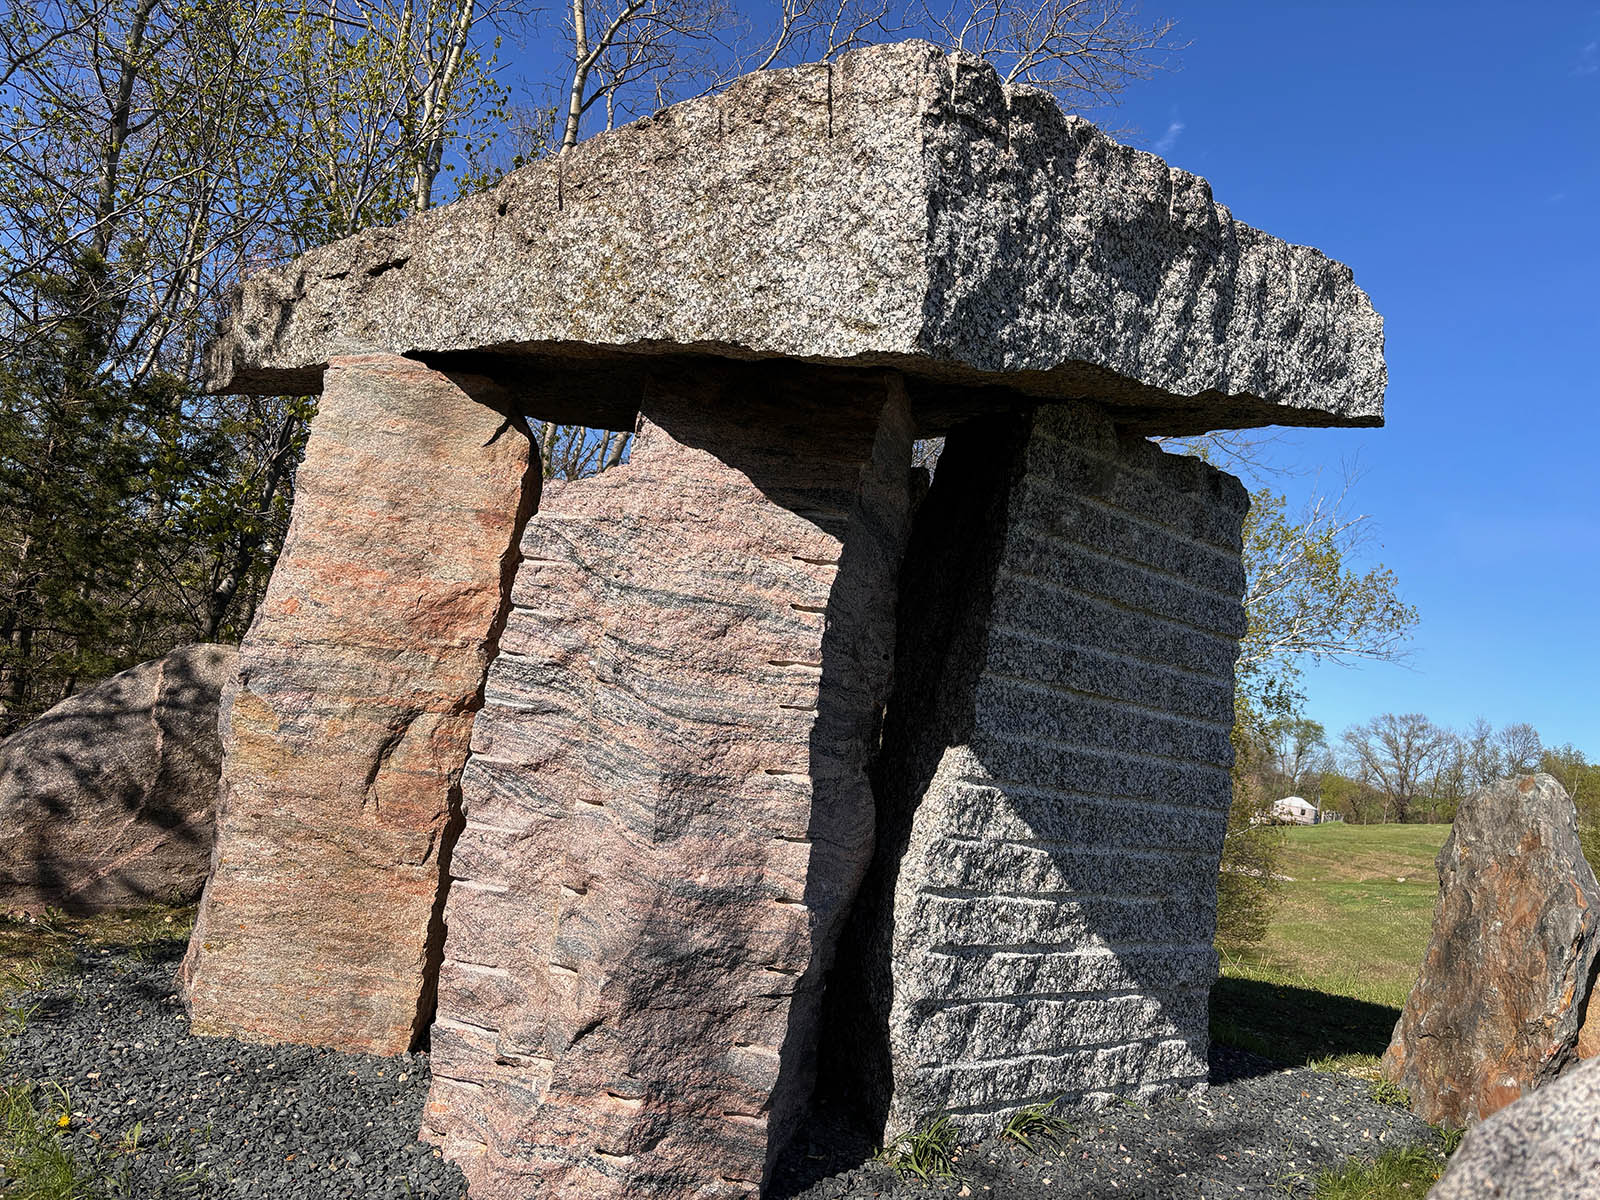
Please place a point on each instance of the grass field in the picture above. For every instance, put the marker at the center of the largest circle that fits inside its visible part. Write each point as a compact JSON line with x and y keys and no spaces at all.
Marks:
{"x":1343,"y":947}
{"x":1326,"y":985}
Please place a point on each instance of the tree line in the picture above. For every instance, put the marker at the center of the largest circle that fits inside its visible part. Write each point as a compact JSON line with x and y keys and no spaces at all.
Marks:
{"x":1404,"y":767}
{"x":1395,"y":767}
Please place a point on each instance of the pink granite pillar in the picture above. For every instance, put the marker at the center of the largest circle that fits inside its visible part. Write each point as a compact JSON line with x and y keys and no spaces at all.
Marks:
{"x":346,"y":727}
{"x":667,"y":808}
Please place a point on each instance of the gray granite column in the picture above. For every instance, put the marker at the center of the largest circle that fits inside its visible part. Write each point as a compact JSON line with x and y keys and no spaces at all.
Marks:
{"x":1054,"y":781}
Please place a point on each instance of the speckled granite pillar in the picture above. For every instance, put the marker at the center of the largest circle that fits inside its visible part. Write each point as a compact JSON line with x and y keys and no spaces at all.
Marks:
{"x":1054,"y":782}
{"x":667,"y":807}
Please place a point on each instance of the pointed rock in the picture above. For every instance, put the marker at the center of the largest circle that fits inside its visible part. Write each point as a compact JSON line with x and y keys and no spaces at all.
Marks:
{"x":1497,"y":1009}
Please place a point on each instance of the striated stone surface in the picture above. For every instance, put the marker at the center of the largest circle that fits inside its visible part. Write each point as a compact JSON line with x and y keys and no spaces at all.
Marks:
{"x":667,"y":806}
{"x":1497,"y":1008}
{"x":1543,"y":1146}
{"x":347,"y":727}
{"x":109,"y":798}
{"x":898,"y":207}
{"x":1054,"y":782}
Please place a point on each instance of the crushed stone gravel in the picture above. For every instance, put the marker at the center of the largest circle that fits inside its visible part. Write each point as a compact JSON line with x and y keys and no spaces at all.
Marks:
{"x":219,"y":1118}
{"x":1258,"y":1130}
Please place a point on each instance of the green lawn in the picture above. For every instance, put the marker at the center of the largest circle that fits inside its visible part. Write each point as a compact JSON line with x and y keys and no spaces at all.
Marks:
{"x":1362,"y":853}
{"x":1343,"y":948}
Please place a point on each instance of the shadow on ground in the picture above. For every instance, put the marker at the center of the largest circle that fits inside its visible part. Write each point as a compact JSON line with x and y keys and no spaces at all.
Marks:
{"x":1293,"y":1026}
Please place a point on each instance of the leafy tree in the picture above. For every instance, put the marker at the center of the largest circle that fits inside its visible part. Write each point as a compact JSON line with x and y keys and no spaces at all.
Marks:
{"x":1305,"y":600}
{"x":1356,"y":801}
{"x":1573,"y":770}
{"x":151,"y":151}
{"x":1247,"y":883}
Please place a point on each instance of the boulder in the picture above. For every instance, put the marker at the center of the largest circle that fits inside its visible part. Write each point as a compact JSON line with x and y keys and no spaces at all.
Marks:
{"x":1545,"y":1145}
{"x":1498,"y":1007}
{"x":109,"y":798}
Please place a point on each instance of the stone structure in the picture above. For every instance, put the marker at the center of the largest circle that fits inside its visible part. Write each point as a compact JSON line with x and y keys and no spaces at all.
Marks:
{"x":1544,"y":1145}
{"x":109,"y":798}
{"x":716,"y":709}
{"x":1499,"y":1005}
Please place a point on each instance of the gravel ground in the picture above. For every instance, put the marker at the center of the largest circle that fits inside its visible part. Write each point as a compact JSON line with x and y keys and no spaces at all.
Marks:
{"x":227,"y":1120}
{"x":220,"y":1118}
{"x":1258,"y":1130}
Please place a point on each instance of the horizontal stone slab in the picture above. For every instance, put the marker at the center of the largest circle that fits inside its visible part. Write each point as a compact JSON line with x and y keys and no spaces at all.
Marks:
{"x":898,"y":207}
{"x":979,"y":1089}
{"x":951,"y":1032}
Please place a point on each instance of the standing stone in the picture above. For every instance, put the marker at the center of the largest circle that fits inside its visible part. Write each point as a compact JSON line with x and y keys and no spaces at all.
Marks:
{"x":108,"y":799}
{"x":347,"y":727}
{"x":1054,"y":783}
{"x":667,"y":807}
{"x":1498,"y":1005}
{"x":1541,"y":1147}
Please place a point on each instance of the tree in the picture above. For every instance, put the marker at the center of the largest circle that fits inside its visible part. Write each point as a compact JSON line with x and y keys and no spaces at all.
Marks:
{"x":379,"y":99}
{"x":152,"y":151}
{"x":1520,"y":750}
{"x":1482,"y":755}
{"x":1247,"y":880}
{"x":1397,"y":754}
{"x":1357,"y":801}
{"x":1084,"y":51}
{"x":633,"y":56}
{"x":1304,"y":601}
{"x":1292,"y":744}
{"x":1446,"y":785}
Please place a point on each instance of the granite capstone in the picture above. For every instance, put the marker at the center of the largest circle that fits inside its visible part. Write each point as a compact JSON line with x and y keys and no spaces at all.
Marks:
{"x":897,"y":207}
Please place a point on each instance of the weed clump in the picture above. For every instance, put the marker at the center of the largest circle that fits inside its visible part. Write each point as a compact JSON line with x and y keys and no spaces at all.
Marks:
{"x":1036,"y":1122}
{"x":925,"y":1153}
{"x":1393,"y":1175}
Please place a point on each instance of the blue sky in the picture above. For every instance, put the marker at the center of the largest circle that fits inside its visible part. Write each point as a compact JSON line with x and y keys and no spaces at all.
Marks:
{"x":1450,"y":153}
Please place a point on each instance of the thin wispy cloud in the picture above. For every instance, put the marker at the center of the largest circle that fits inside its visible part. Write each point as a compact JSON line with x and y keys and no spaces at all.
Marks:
{"x":1169,"y":139}
{"x":1588,"y":60}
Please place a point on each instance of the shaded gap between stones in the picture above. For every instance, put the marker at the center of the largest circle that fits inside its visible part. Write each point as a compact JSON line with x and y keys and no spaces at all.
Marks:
{"x":941,"y":635}
{"x":455,"y":822}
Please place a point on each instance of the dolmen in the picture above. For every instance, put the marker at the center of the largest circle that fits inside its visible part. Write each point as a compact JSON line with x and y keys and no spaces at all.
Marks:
{"x":655,"y":802}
